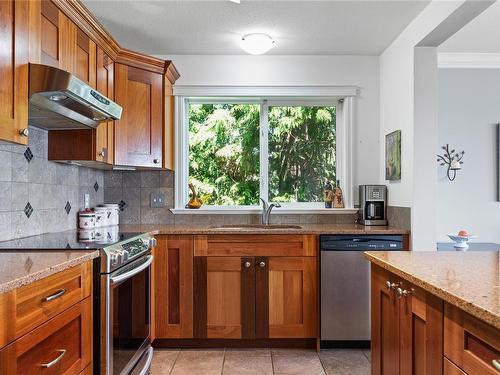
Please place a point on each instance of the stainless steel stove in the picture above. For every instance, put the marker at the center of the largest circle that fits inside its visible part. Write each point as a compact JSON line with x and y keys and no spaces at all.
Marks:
{"x":123,"y":306}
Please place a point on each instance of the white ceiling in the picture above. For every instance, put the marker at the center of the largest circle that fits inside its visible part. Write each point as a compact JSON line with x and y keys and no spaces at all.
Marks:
{"x":481,"y":35}
{"x":215,"y":27}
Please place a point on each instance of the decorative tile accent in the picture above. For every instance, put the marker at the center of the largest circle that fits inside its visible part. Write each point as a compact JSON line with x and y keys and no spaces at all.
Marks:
{"x":28,"y":154}
{"x":96,"y":186}
{"x":67,"y":208}
{"x":28,"y":210}
{"x":28,"y":264}
{"x":122,"y":205}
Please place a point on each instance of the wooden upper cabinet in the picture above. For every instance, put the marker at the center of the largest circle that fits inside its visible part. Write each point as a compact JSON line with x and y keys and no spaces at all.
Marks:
{"x":105,"y":85}
{"x":57,"y":37}
{"x":139,"y":133}
{"x":85,"y":58}
{"x":14,"y":51}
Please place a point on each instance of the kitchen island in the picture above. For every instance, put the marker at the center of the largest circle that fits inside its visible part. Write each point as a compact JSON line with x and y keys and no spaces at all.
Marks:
{"x":435,"y":312}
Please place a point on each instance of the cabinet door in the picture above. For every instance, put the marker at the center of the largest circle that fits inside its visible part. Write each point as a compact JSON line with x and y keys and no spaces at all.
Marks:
{"x":421,"y":333}
{"x":288,"y":299}
{"x":224,"y":297}
{"x":85,"y":58}
{"x":385,"y":324}
{"x":139,"y":133}
{"x":14,"y":51}
{"x":173,"y":287}
{"x":58,"y":36}
{"x":105,"y":85}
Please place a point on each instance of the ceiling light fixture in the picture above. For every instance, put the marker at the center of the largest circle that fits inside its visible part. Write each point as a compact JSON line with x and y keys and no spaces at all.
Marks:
{"x":256,"y":43}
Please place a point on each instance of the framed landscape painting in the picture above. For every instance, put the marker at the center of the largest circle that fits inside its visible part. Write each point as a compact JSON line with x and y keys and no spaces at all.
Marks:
{"x":393,"y":156}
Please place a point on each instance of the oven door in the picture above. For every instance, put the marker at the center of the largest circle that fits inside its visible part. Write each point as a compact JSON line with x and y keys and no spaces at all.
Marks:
{"x":125,"y":331}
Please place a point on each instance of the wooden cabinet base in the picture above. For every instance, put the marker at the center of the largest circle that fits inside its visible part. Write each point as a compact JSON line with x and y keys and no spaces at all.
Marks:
{"x":241,"y":343}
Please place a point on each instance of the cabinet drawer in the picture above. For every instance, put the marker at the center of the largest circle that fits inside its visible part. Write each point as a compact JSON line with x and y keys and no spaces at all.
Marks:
{"x":255,"y":245}
{"x":63,"y":345}
{"x":469,"y":343}
{"x":27,"y":307}
{"x":451,"y":369}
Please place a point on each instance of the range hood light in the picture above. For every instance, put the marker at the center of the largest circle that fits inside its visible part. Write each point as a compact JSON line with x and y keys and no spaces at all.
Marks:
{"x":57,"y":97}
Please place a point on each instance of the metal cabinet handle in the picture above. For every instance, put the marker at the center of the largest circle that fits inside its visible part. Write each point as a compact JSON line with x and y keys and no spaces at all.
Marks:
{"x":247,"y":264}
{"x":52,"y":363}
{"x":496,"y":364}
{"x":390,"y":286}
{"x":156,"y":161}
{"x":102,"y":153}
{"x":54,"y":296}
{"x":262,"y":264}
{"x":400,"y":293}
{"x":24,"y":132}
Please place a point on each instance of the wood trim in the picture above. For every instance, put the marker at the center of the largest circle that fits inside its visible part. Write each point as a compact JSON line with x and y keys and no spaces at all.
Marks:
{"x":235,"y":343}
{"x":262,"y":298}
{"x":200,"y":297}
{"x":451,"y":369}
{"x":247,"y":299}
{"x":84,"y":19}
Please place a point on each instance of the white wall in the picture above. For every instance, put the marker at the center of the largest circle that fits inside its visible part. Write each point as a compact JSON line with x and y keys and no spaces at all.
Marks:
{"x":361,"y":71}
{"x":468,"y":111}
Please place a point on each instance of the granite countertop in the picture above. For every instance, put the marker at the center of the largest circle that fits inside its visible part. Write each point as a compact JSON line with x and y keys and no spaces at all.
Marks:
{"x":468,"y":280}
{"x":24,"y":267}
{"x":245,"y":229}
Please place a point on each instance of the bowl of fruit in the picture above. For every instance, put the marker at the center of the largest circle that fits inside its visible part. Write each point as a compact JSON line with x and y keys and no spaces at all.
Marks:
{"x":461,"y":239}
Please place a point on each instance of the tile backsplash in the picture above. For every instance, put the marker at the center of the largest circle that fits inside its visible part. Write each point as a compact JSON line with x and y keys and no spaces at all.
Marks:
{"x":39,"y":196}
{"x":132,"y":190}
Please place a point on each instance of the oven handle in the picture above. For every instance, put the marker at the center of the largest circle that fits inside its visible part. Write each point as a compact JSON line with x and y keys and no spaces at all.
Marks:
{"x":147,"y":366}
{"x":133,"y":272}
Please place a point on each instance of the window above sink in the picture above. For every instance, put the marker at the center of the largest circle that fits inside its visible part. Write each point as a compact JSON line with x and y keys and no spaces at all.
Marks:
{"x":237,"y":148}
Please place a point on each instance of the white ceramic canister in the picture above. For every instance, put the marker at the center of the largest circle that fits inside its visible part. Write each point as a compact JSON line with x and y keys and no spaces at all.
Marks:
{"x":86,"y":220}
{"x":87,"y":235}
{"x":114,"y":214}
{"x":102,"y":216}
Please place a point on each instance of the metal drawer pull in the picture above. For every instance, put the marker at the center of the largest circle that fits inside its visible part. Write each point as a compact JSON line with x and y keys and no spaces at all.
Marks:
{"x":52,"y":363}
{"x":262,"y":264}
{"x":54,"y":296}
{"x":496,"y":364}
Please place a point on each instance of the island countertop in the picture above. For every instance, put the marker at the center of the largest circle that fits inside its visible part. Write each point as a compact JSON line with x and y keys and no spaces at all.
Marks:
{"x":468,"y":280}
{"x":18,"y":268}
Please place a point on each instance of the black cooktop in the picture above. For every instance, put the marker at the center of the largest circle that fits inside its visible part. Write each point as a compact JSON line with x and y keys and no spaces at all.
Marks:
{"x":64,"y":240}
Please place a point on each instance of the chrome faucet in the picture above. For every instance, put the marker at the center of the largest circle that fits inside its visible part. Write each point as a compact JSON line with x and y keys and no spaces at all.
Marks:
{"x":266,"y":211}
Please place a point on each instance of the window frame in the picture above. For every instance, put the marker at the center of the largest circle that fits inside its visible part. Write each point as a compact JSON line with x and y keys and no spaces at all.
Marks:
{"x":343,"y":98}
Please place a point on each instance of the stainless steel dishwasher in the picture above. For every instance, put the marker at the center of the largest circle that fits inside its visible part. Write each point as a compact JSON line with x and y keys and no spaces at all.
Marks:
{"x":345,"y":287}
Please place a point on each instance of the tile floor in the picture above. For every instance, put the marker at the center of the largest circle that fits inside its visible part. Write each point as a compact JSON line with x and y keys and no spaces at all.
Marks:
{"x":261,"y":362}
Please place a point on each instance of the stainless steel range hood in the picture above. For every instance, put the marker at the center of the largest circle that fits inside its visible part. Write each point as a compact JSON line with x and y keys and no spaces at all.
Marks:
{"x":58,"y":100}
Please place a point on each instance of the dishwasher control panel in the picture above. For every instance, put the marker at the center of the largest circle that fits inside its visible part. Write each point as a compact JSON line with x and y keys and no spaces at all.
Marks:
{"x":361,"y":243}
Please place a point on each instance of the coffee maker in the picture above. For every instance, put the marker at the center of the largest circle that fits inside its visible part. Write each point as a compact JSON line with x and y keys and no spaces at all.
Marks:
{"x":373,"y":204}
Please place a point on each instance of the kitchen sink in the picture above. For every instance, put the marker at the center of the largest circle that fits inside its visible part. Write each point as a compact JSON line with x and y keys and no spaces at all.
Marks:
{"x":250,"y":227}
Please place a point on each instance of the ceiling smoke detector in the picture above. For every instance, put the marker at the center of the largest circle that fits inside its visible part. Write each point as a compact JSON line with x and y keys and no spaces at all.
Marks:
{"x":256,"y":43}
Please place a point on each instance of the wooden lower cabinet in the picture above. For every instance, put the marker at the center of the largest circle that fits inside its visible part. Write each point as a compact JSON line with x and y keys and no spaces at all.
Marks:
{"x":241,"y":291}
{"x":255,"y":297}
{"x":407,"y":329}
{"x":63,"y":345}
{"x":173,"y":287}
{"x":469,"y":343}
